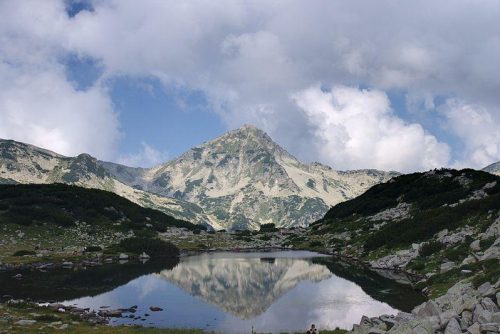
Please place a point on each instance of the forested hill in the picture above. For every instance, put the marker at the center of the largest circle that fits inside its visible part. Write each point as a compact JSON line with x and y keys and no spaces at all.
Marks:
{"x":64,"y":205}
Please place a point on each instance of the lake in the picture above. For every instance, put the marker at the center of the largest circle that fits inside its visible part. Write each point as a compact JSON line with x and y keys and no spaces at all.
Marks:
{"x":227,"y":292}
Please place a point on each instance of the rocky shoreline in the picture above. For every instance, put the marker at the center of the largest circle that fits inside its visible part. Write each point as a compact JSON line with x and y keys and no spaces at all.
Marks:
{"x":463,"y":309}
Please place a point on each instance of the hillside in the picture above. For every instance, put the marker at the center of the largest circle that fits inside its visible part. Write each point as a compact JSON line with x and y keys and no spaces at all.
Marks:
{"x":436,"y":224}
{"x":244,"y":179}
{"x":26,"y":164}
{"x":493,"y":168}
{"x":64,"y":205}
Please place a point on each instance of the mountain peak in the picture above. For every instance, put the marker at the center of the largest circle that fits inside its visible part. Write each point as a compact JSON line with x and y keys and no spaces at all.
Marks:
{"x":249,"y":129}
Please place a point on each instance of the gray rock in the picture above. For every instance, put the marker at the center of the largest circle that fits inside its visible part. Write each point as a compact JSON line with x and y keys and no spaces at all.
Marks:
{"x":486,"y":289}
{"x":466,"y":319}
{"x":446,"y":316}
{"x":25,"y":322}
{"x":469,"y":260}
{"x":475,"y":245}
{"x":474,"y":329}
{"x":447,"y":266}
{"x":453,"y":327}
{"x":481,"y":315}
{"x":427,"y":309}
{"x":491,"y":253}
{"x":495,"y":317}
{"x":489,"y":305}
{"x":498,"y":298}
{"x":490,"y":327}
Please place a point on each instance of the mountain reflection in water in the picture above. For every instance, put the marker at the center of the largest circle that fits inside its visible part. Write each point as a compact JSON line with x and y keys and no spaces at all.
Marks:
{"x":271,"y":292}
{"x":244,"y":287}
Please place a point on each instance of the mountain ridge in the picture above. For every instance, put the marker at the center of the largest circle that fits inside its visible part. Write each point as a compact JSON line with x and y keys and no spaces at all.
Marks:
{"x":259,"y":182}
{"x":239,"y":180}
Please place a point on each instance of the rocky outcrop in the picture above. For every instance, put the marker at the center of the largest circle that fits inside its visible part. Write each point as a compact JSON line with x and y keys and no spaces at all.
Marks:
{"x":462,"y":309}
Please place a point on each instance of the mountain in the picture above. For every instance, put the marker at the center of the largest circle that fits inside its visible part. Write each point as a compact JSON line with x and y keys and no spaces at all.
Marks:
{"x":494,"y":168}
{"x":243,"y":179}
{"x":23,"y":163}
{"x":439,"y":224}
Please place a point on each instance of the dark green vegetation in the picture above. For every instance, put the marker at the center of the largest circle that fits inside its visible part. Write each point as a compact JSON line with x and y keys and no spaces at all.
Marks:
{"x":63,"y":205}
{"x":440,"y":200}
{"x":268,"y":227}
{"x":410,"y":210}
{"x":155,"y":248}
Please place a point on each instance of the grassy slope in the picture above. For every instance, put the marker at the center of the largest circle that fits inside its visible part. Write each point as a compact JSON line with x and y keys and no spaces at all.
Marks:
{"x":60,"y":219}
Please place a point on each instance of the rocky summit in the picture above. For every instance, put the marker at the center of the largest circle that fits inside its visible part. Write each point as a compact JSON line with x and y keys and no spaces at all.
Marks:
{"x":493,"y":168}
{"x":244,"y":179}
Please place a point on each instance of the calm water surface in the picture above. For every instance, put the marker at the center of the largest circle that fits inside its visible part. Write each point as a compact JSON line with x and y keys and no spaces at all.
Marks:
{"x":235,"y":292}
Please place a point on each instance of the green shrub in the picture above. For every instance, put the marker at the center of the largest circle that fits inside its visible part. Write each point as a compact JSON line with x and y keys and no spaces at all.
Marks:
{"x":457,"y":253}
{"x":430,"y":248}
{"x":316,"y":243}
{"x":487,"y":243}
{"x":268,"y":227}
{"x":153,"y":247}
{"x":24,"y":252}
{"x":93,"y":249}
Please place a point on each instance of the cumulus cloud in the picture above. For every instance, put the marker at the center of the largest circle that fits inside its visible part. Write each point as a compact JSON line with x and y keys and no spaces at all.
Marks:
{"x":478,"y":130}
{"x":148,"y":156}
{"x":248,"y":57}
{"x":356,"y":127}
{"x":38,"y":104}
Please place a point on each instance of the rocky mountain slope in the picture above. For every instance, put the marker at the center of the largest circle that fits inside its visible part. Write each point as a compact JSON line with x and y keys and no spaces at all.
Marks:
{"x":442,"y":225}
{"x":23,"y":163}
{"x":493,"y":168}
{"x":243,"y":179}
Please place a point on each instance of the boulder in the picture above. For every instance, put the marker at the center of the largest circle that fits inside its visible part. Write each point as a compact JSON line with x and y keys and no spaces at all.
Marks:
{"x":427,"y":309}
{"x":469,"y":260}
{"x":491,"y":253}
{"x":453,"y":327}
{"x":466,"y":319}
{"x":25,"y":322}
{"x":446,"y":266}
{"x":155,"y":308}
{"x":481,"y":315}
{"x":474,"y":329}
{"x":490,"y":327}
{"x":489,"y":305}
{"x":123,"y":256}
{"x":475,"y":245}
{"x":144,"y":256}
{"x":486,"y":289}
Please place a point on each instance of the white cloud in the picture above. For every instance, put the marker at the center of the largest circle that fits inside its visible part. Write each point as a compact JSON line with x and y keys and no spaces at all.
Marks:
{"x":357,"y":127}
{"x":148,"y":156}
{"x":248,"y":57}
{"x":478,"y":130}
{"x":38,"y":104}
{"x":42,"y":108}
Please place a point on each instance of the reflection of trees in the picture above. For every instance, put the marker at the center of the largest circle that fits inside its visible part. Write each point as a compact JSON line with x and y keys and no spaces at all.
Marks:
{"x":63,"y":284}
{"x":397,"y":295}
{"x":245,"y":287}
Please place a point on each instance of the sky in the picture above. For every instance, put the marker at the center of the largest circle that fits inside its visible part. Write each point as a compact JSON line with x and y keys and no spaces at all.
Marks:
{"x":406,"y":86}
